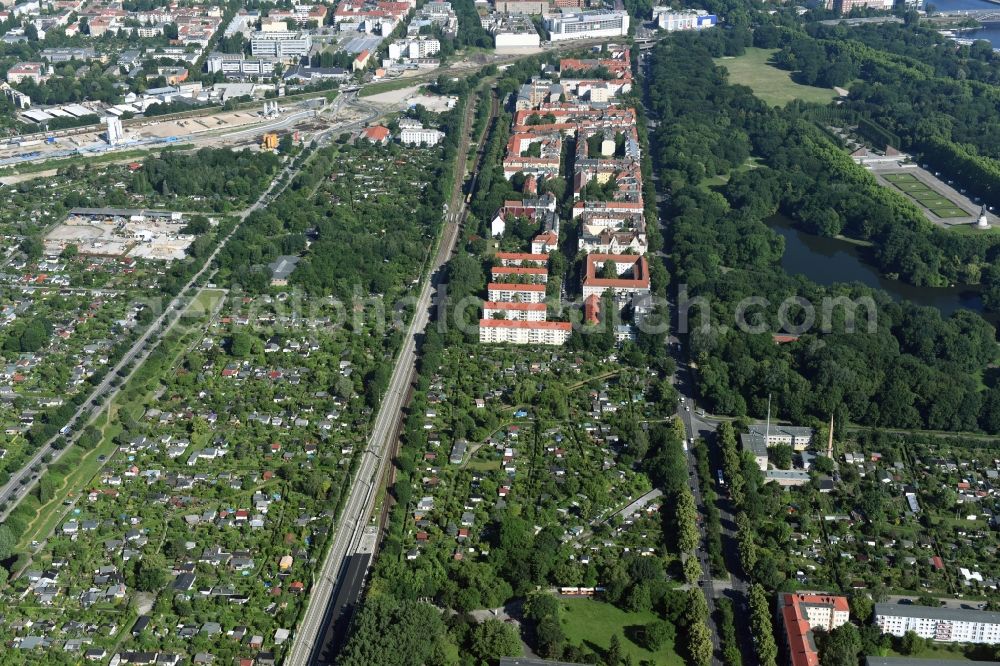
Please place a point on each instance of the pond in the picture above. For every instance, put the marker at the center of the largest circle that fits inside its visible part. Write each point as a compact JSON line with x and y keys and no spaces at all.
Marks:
{"x":830,"y":260}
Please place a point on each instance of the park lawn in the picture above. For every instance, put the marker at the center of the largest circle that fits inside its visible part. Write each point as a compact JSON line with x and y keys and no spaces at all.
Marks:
{"x":774,"y":86}
{"x":86,"y":467}
{"x":592,"y":622}
{"x":900,"y":177}
{"x":206,"y":301}
{"x":950,"y":211}
{"x":912,"y":186}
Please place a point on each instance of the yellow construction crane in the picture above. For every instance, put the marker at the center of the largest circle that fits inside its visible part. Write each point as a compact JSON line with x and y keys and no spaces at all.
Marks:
{"x":269,"y":142}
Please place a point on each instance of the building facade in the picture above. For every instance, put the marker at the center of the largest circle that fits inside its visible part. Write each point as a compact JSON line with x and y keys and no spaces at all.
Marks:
{"x":944,"y":625}
{"x":494,"y":331}
{"x":280,"y":44}
{"x":801,"y":613}
{"x":585,"y":25}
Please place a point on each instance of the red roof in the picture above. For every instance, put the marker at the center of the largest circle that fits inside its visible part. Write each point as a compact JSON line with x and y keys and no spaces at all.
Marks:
{"x":591,"y":309}
{"x":376,"y":134}
{"x":640,"y":270}
{"x":802,"y":649}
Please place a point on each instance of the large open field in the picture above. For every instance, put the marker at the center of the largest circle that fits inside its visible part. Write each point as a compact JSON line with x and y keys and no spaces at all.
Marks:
{"x":773,"y":85}
{"x":593,"y":622}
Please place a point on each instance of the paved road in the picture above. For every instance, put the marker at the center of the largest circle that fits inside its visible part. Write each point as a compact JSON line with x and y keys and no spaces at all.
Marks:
{"x":22,"y":481}
{"x":699,"y":427}
{"x":362,"y":494}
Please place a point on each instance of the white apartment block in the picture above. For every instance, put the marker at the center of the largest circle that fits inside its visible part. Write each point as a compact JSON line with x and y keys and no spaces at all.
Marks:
{"x":516,"y":293}
{"x":945,"y":625}
{"x":514,"y":311}
{"x":283,"y":45}
{"x":416,"y":136}
{"x":585,"y":25}
{"x":422,"y":47}
{"x":524,"y":332}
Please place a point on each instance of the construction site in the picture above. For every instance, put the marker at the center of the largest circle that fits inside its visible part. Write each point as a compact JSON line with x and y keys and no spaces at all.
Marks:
{"x":120,"y":232}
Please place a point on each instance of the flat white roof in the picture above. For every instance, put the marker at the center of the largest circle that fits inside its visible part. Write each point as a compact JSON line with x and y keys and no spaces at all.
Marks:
{"x":37,"y":115}
{"x":77,"y":110}
{"x":58,"y":113}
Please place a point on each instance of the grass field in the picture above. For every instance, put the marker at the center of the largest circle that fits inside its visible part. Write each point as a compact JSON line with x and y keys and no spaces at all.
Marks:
{"x":923,"y":194}
{"x":389,"y":86}
{"x":86,"y":465}
{"x":592,"y":622}
{"x":950,"y":212}
{"x":773,"y":85}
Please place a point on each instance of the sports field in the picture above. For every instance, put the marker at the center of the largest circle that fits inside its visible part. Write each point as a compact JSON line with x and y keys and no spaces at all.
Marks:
{"x":774,"y":86}
{"x":913,"y":187}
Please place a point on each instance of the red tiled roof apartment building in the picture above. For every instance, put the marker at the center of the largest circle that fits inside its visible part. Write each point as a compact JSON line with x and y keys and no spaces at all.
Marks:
{"x":632,"y":270}
{"x":800,"y":613}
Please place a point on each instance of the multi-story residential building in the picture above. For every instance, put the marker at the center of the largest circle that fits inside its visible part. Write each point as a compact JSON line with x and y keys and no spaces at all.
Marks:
{"x":35,"y":71}
{"x":632,"y":276}
{"x":845,"y":6}
{"x":944,"y":625}
{"x":416,"y":136}
{"x":800,"y":613}
{"x":514,"y":311}
{"x":539,"y":155}
{"x":522,"y":259}
{"x":520,"y":293}
{"x":522,"y":274}
{"x":586,"y":25}
{"x":434,"y":13}
{"x":417,"y":47}
{"x":65,"y":54}
{"x":280,"y":44}
{"x":522,"y":6}
{"x":300,"y":15}
{"x":524,"y":332}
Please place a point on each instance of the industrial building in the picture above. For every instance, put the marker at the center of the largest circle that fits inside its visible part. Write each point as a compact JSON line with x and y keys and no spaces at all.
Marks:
{"x":672,"y":20}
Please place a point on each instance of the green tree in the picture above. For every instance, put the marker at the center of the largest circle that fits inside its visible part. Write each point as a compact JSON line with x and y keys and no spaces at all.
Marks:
{"x":912,"y":643}
{"x":150,"y":574}
{"x":840,"y":647}
{"x":658,"y":633}
{"x":492,"y":639}
{"x":613,"y":655}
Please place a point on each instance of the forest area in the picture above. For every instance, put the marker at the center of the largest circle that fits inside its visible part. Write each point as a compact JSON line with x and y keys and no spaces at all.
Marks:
{"x":914,"y":368}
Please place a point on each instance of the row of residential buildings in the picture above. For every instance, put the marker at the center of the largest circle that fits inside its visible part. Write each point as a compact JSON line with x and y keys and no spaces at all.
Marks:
{"x":799,"y":614}
{"x":607,"y":192}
